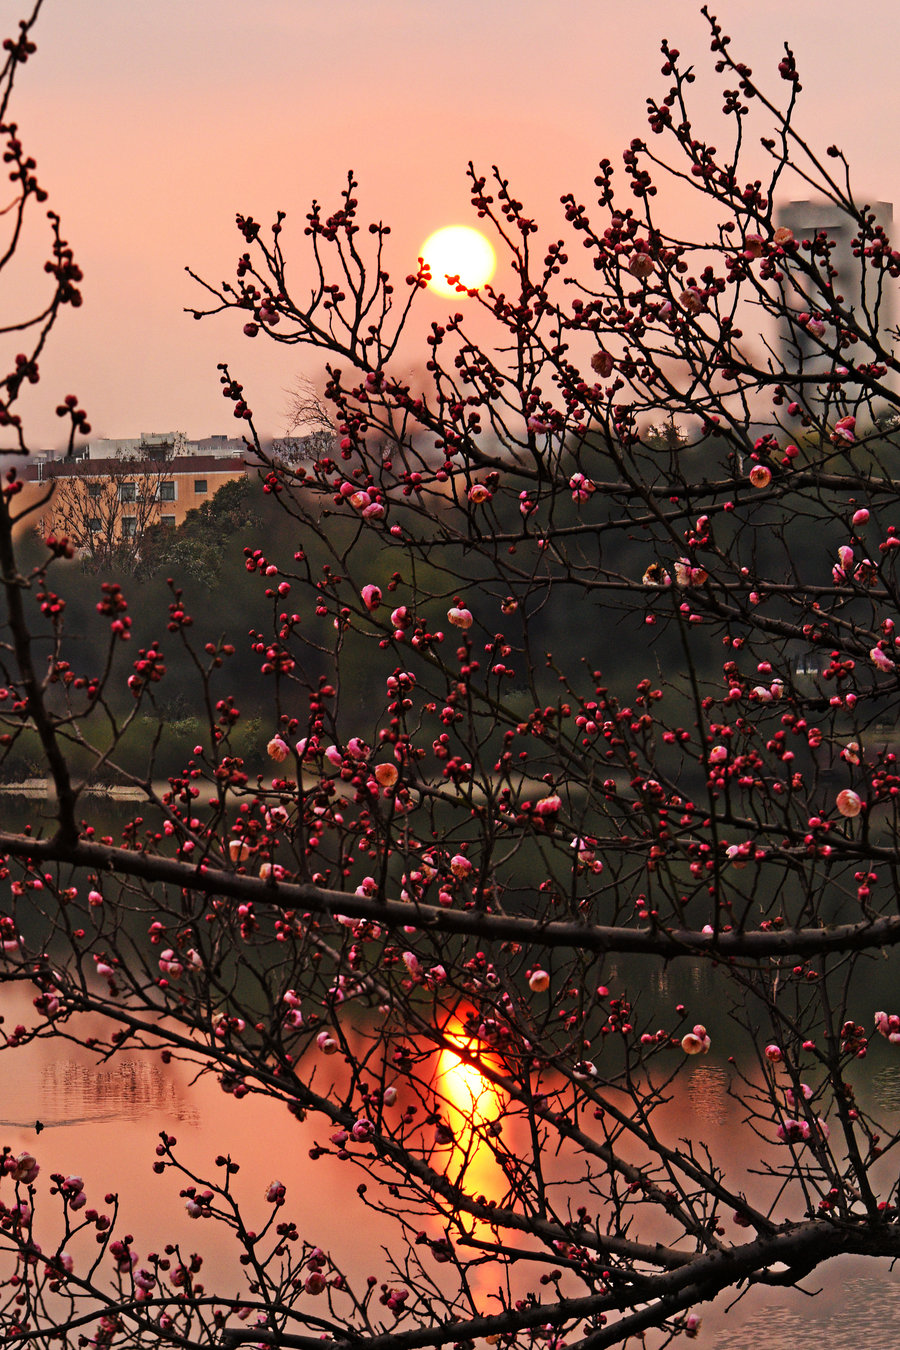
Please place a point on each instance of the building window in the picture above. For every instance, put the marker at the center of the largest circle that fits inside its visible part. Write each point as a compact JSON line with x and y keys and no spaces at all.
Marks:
{"x":127,"y":492}
{"x":167,"y":492}
{"x":129,"y":526}
{"x":94,"y":525}
{"x":167,"y":520}
{"x":200,"y":486}
{"x":95,"y":490}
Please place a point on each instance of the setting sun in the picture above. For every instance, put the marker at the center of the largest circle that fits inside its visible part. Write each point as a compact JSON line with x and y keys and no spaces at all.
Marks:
{"x":458,"y":250}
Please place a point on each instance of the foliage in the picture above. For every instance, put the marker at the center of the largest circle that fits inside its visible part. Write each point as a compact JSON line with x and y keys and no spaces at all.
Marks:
{"x":466,"y":844}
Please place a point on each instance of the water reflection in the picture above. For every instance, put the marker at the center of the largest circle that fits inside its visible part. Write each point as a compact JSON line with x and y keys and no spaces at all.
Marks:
{"x":72,"y":1093}
{"x":112,"y":1114}
{"x":707,"y":1092}
{"x":471,"y":1103}
{"x":846,"y":1314}
{"x":886,"y":1088}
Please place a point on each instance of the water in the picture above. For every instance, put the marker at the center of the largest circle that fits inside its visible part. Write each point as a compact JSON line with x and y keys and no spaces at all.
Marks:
{"x":103,"y":1121}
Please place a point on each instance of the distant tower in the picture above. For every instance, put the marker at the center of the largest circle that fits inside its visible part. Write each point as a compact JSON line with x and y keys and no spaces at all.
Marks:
{"x":873,"y":309}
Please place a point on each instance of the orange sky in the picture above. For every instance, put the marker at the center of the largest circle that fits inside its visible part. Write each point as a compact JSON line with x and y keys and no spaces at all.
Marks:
{"x":153,"y":124}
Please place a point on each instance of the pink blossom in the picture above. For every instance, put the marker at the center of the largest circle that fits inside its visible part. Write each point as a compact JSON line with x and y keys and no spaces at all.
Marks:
{"x":860,"y":517}
{"x":691,"y":300}
{"x":548,"y":806}
{"x":386,"y":774}
{"x":816,"y":327}
{"x":774,"y":1054}
{"x":760,"y":476}
{"x":844,"y":430}
{"x":460,"y":866}
{"x":334,"y":756}
{"x":793,"y":1131}
{"x":888,"y":1025}
{"x":278,"y":750}
{"x":95,"y":898}
{"x":641,"y":265}
{"x":478,"y":493}
{"x":718,"y":754}
{"x":371,"y":596}
{"x":460,"y":618}
{"x":880,"y":658}
{"x":238,"y":850}
{"x":696,"y":1042}
{"x":24,"y":1167}
{"x":783,"y":236}
{"x":411,"y":961}
{"x":326,"y":1043}
{"x":602,"y":364}
{"x":849,"y":803}
{"x":538,"y":981}
{"x":581,"y":487}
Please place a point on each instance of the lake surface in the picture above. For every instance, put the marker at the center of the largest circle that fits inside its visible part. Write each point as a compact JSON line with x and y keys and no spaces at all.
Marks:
{"x":103,"y":1122}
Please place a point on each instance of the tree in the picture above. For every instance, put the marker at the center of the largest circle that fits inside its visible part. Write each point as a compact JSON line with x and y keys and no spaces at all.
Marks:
{"x":448,"y":855}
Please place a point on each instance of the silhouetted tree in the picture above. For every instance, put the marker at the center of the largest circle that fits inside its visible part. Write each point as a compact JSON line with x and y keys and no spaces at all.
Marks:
{"x":473,"y":846}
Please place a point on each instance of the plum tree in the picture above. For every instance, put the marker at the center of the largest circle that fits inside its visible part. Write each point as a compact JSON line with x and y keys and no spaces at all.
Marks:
{"x":582,"y":668}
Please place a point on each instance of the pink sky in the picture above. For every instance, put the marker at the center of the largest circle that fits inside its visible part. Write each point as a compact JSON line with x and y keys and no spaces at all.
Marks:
{"x":153,"y":124}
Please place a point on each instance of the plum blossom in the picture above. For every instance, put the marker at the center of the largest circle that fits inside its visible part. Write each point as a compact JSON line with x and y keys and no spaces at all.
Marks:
{"x":371,"y":596}
{"x":888,"y":1026}
{"x":774,"y":1054}
{"x":760,"y":476}
{"x":581,"y":487}
{"x":478,"y":494}
{"x":688,"y":575}
{"x":849,"y":803}
{"x":24,"y":1167}
{"x":641,"y":265}
{"x":794,"y":1131}
{"x":880,"y":658}
{"x":278,"y":750}
{"x":602,"y":364}
{"x":386,"y":774}
{"x":538,"y":981}
{"x":696,"y":1042}
{"x":460,"y":617}
{"x":548,"y":806}
{"x":844,"y":430}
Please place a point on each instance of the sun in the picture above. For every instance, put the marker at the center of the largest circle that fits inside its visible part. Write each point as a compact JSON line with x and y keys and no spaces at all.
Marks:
{"x":458,"y":250}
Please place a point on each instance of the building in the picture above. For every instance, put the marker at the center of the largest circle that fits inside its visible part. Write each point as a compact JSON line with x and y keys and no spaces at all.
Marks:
{"x":871,"y":305}
{"x":114,"y":490}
